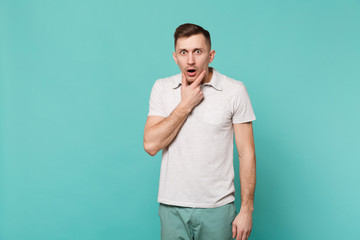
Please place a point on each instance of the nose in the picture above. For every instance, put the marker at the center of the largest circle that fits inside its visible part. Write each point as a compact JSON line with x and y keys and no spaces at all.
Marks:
{"x":190,"y":59}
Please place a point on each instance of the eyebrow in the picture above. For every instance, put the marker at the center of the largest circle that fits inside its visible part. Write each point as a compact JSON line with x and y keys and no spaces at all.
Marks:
{"x":183,"y":49}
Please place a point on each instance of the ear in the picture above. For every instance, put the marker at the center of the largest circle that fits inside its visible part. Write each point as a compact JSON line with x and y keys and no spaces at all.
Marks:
{"x":212,"y":55}
{"x":175,"y":58}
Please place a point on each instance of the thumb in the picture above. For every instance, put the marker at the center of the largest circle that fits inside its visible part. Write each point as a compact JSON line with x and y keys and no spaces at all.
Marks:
{"x":233,"y":231}
{"x":183,"y":81}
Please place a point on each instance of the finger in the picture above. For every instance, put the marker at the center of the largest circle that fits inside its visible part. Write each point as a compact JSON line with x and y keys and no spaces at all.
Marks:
{"x":239,"y":235}
{"x":183,"y":80}
{"x":233,"y":231}
{"x":248,"y":235}
{"x":244,"y":236}
{"x":199,"y":79}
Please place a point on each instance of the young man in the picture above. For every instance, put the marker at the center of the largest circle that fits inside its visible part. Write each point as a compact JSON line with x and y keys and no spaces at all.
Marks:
{"x":192,"y":118}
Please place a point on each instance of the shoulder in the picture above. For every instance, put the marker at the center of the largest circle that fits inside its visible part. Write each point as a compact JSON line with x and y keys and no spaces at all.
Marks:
{"x":231,"y":85}
{"x":168,"y":82}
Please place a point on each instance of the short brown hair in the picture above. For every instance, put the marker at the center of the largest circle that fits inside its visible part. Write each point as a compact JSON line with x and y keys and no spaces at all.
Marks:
{"x":189,"y":29}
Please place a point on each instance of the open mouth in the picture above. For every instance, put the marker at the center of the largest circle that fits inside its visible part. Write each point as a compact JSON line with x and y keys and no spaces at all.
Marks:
{"x":191,"y":72}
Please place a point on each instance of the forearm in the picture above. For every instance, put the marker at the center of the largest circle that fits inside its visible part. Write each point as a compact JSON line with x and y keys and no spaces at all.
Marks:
{"x":161,"y":135}
{"x":247,"y":180}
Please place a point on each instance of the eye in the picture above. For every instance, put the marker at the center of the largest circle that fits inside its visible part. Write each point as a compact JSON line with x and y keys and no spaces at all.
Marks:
{"x":183,"y":52}
{"x":198,"y":51}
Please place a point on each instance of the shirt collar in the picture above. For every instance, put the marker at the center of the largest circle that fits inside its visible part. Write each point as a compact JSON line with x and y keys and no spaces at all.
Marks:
{"x":214,"y":82}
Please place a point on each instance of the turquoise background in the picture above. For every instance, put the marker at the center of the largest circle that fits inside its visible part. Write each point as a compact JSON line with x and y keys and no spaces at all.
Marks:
{"x":75,"y":81}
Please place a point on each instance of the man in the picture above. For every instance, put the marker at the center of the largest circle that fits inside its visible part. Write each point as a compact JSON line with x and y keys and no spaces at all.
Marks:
{"x":192,"y":118}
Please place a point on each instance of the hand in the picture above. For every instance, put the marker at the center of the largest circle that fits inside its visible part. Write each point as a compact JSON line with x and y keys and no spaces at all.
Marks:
{"x":242,"y":225}
{"x":191,"y":95}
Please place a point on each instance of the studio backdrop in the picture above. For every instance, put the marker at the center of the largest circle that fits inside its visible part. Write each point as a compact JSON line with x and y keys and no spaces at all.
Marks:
{"x":75,"y":82}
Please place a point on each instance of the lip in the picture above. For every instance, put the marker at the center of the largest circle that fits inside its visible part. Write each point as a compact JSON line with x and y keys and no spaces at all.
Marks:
{"x":191,"y":74}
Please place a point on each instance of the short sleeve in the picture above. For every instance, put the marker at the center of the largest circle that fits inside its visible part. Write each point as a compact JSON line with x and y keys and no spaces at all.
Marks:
{"x":242,"y":108}
{"x":156,"y":104}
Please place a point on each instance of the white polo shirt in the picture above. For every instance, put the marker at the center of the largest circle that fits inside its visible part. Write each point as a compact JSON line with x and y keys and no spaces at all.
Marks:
{"x":197,"y":166}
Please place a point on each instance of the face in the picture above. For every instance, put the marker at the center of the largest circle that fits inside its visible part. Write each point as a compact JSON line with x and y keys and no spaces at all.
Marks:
{"x":192,"y":55}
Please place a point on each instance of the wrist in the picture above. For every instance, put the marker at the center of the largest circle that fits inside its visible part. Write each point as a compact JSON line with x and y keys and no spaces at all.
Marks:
{"x":246,"y":208}
{"x":184,"y":108}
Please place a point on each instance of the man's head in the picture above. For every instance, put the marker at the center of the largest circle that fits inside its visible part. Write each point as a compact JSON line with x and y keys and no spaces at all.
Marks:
{"x":189,"y":29}
{"x":193,"y":51}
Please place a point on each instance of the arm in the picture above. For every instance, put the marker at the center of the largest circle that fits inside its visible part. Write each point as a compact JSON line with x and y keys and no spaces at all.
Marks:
{"x":244,"y":139}
{"x":160,"y":131}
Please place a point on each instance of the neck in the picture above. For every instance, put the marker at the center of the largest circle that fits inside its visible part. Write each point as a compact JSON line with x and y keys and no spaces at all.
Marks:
{"x":208,"y":76}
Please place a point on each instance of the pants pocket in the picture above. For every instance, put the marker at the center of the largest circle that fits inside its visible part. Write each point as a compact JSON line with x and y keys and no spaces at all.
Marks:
{"x":233,"y":209}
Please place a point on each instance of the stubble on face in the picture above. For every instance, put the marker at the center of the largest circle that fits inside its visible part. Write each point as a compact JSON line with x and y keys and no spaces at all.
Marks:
{"x":193,"y":55}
